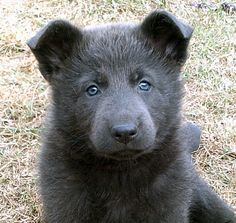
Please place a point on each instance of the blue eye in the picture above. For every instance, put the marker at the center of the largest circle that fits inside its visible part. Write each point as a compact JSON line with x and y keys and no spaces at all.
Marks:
{"x":92,"y":90}
{"x":144,"y":86}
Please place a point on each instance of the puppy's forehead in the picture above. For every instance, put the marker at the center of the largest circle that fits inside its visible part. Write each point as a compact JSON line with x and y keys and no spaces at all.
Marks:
{"x":111,"y":36}
{"x":119,"y":52}
{"x":114,"y":46}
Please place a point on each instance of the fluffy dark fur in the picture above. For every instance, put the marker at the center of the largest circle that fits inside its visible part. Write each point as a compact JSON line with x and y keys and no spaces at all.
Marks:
{"x":114,"y":151}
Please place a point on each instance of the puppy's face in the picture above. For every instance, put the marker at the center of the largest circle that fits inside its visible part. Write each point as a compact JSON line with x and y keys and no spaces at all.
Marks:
{"x":115,"y":87}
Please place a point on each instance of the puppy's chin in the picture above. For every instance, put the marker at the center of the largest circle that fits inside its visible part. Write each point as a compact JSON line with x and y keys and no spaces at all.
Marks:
{"x":127,"y":154}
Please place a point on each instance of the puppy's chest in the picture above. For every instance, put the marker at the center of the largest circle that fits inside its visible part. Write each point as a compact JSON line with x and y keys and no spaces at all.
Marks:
{"x":133,"y":206}
{"x":127,"y":199}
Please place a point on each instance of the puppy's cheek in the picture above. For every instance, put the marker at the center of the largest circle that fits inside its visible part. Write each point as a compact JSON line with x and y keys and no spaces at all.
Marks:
{"x":148,"y":130}
{"x":100,"y":136}
{"x":147,"y":137}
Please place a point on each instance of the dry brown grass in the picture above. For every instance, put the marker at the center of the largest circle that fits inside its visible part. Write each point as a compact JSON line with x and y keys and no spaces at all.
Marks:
{"x":210,"y":76}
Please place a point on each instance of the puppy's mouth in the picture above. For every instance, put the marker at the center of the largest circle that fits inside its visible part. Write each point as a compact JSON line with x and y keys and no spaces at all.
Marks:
{"x":124,"y":154}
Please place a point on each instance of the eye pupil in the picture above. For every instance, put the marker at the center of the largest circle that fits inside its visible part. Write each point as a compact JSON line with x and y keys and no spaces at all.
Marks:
{"x":92,"y":90}
{"x":144,"y":86}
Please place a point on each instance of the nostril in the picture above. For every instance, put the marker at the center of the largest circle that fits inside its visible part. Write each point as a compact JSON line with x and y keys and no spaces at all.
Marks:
{"x":133,"y":132}
{"x":117,"y":134}
{"x":124,"y":133}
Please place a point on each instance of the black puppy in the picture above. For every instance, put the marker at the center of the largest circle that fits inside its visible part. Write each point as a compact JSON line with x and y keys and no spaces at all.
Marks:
{"x":114,"y":151}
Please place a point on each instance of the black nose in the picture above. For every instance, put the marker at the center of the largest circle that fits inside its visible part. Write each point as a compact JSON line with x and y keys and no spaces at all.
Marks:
{"x":124,"y":133}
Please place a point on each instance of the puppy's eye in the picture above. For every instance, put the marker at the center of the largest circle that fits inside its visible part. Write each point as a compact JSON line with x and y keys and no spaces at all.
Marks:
{"x":144,"y":86}
{"x":92,"y":90}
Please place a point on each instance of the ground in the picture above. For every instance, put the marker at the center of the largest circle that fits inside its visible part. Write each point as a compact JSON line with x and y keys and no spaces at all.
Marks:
{"x":209,"y":75}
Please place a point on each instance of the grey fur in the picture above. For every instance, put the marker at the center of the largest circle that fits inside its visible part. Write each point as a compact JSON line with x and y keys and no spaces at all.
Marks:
{"x":88,"y":174}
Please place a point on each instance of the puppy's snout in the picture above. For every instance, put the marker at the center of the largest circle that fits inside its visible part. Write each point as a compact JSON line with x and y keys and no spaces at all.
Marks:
{"x":124,"y":133}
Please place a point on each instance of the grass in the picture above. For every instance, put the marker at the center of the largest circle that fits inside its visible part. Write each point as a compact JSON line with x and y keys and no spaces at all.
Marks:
{"x":210,"y":76}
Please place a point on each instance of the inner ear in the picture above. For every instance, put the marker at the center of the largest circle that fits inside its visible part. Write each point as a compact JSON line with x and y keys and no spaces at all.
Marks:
{"x":168,"y":34}
{"x":53,"y":44}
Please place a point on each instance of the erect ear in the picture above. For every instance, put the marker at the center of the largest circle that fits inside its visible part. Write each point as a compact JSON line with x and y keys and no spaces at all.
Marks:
{"x":53,"y":44}
{"x":170,"y":35}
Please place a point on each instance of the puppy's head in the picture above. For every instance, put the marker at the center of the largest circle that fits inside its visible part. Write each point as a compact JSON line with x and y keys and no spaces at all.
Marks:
{"x":116,"y":87}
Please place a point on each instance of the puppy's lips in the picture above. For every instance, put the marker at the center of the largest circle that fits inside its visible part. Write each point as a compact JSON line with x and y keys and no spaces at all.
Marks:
{"x":124,"y":154}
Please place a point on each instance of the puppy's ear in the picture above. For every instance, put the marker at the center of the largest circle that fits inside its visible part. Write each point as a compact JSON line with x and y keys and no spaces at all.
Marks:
{"x":53,"y":44}
{"x":170,"y":35}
